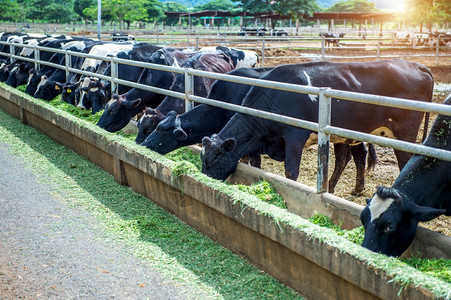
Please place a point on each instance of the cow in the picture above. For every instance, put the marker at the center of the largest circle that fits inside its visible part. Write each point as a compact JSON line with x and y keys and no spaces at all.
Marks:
{"x":244,"y":133}
{"x":49,"y":88}
{"x":99,"y":91}
{"x":240,"y":58}
{"x":120,"y":110}
{"x":420,"y":193}
{"x":401,"y":37}
{"x":176,"y":131}
{"x":35,"y":76}
{"x":332,"y":38}
{"x":217,"y":62}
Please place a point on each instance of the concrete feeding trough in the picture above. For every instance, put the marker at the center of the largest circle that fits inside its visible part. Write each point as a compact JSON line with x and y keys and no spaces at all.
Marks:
{"x":314,"y":261}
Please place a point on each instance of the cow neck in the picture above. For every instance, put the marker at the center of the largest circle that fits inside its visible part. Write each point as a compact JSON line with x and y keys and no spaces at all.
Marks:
{"x":423,"y":179}
{"x":246,"y":130}
{"x":203,"y":120}
{"x":170,"y":103}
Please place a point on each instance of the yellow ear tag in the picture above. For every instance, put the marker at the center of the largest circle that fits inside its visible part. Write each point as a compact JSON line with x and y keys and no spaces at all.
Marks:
{"x":69,"y":90}
{"x":57,"y":88}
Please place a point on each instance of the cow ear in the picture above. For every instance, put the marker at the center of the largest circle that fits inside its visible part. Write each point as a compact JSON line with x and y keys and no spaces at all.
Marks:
{"x":180,"y":134}
{"x":206,"y":142}
{"x":228,"y":144}
{"x":136,"y":103}
{"x":425,"y":213}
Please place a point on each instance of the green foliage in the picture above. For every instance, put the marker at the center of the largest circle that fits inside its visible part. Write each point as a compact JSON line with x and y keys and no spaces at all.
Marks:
{"x":184,"y":154}
{"x":216,"y":5}
{"x":353,"y":6}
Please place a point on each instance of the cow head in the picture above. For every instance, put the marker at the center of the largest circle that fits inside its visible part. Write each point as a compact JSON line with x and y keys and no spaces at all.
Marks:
{"x":148,"y":123}
{"x":33,"y":80}
{"x":18,"y":75}
{"x":4,"y":72}
{"x":70,"y":93}
{"x":97,"y":94}
{"x":218,"y":157}
{"x":166,"y":136}
{"x":47,"y":89}
{"x":83,"y":101}
{"x":118,"y":113}
{"x":391,"y":220}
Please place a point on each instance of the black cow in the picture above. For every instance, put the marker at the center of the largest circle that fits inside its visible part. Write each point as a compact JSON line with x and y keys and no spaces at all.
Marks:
{"x":176,"y":131}
{"x":99,"y":91}
{"x":212,"y":62}
{"x":332,"y":38}
{"x":421,"y":193}
{"x":244,"y":134}
{"x":119,"y":110}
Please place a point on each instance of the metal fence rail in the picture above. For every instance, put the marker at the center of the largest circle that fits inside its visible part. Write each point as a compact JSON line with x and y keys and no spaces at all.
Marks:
{"x":323,"y":126}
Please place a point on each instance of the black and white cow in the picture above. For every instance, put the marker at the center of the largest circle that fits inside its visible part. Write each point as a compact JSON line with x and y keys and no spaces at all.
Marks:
{"x":120,"y":109}
{"x":36,"y":76}
{"x":421,"y":193}
{"x":244,"y":134}
{"x":99,"y":91}
{"x":240,"y":58}
{"x":217,"y":62}
{"x":49,"y":88}
{"x":332,"y":38}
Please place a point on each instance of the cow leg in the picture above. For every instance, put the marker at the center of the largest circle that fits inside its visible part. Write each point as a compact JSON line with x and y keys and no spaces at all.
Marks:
{"x":294,"y":144}
{"x":255,"y":160}
{"x":402,"y":157}
{"x":342,"y":157}
{"x":359,"y":154}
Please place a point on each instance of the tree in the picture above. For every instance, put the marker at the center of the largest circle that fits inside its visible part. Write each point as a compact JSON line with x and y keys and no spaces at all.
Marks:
{"x":174,"y":7}
{"x":216,"y":5}
{"x":296,"y":9}
{"x":80,"y":5}
{"x":428,"y":12}
{"x":50,"y":10}
{"x":353,"y":6}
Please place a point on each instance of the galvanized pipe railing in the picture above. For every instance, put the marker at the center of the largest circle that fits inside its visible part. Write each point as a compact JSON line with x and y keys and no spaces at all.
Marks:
{"x":323,"y":126}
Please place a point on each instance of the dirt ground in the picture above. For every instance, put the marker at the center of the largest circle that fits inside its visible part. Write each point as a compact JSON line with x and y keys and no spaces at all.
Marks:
{"x":386,"y":169}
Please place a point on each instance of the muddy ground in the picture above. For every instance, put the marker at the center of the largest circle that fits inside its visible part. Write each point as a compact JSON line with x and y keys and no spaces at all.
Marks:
{"x":386,"y":169}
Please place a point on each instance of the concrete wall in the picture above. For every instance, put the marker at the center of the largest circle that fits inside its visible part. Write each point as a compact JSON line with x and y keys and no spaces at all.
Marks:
{"x":313,"y":266}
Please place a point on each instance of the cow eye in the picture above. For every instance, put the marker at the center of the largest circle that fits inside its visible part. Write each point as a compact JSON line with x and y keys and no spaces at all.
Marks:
{"x":389,"y":229}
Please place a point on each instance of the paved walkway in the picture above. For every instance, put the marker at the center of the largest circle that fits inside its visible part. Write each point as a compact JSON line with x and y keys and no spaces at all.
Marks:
{"x":51,"y":250}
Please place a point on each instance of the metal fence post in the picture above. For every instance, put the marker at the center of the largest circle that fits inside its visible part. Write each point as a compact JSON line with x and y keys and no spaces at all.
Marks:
{"x":36,"y":58}
{"x":436,"y":50}
{"x":197,"y":43}
{"x":378,"y":48}
{"x":263,"y":52}
{"x":324,"y":107}
{"x":68,"y":63}
{"x":323,"y":46}
{"x":114,"y":67}
{"x":189,"y":90}
{"x":12,"y":51}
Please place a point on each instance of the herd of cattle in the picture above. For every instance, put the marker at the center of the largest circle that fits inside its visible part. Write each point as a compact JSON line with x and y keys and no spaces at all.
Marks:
{"x":422,"y":39}
{"x":390,"y":218}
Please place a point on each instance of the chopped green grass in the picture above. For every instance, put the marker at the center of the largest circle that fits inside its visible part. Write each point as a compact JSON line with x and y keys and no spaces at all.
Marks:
{"x":439,"y":268}
{"x":198,"y":266}
{"x":264,"y":191}
{"x":398,"y":270}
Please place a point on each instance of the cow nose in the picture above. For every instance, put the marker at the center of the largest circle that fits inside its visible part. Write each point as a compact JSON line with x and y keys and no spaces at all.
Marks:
{"x":81,"y":107}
